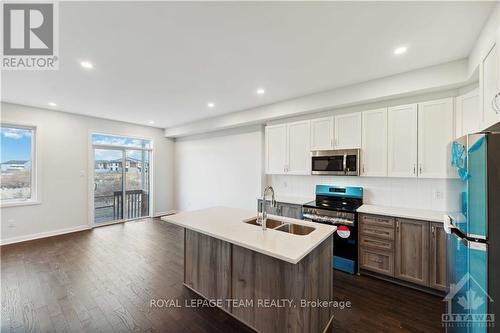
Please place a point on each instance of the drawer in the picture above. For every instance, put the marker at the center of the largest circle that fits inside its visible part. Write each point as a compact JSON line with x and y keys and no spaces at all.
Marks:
{"x":376,"y":231}
{"x":375,"y":243}
{"x":383,"y":221}
{"x":377,"y":261}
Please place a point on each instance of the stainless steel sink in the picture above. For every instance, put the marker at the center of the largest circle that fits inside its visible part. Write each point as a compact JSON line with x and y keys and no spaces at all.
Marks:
{"x":270,"y":224}
{"x":296,"y":229}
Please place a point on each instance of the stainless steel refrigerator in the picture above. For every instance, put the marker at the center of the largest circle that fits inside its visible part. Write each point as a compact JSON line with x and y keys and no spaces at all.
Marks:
{"x":473,"y":240}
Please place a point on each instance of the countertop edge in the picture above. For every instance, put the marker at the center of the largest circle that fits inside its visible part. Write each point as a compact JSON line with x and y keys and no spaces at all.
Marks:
{"x":411,"y":213}
{"x":250,"y":247}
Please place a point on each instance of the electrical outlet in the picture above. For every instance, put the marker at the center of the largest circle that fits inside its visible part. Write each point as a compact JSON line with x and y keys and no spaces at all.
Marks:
{"x":11,"y":224}
{"x":438,"y":195}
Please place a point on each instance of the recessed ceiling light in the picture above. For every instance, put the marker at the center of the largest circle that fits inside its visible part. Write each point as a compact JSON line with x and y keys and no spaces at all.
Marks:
{"x":211,"y":105}
{"x":52,"y":104}
{"x":151,"y":122}
{"x":86,"y":64}
{"x":400,"y":50}
{"x":260,"y":91}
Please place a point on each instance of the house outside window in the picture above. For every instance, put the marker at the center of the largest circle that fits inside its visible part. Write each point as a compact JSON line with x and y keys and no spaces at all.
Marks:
{"x":18,"y":176}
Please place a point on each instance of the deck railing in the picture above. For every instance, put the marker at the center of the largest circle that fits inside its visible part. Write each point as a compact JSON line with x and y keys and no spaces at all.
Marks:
{"x":112,"y":207}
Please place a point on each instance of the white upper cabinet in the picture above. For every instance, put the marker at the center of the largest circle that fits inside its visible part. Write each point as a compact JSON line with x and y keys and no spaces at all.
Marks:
{"x":402,"y":141}
{"x":490,"y":87}
{"x":276,"y":149}
{"x":467,"y":114}
{"x":288,"y":148}
{"x":435,"y":133}
{"x":347,"y":131}
{"x":322,"y":133}
{"x":374,"y":143}
{"x":299,"y":148}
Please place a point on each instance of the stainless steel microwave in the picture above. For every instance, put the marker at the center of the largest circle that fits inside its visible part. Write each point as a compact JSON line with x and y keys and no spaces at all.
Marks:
{"x":341,"y":162}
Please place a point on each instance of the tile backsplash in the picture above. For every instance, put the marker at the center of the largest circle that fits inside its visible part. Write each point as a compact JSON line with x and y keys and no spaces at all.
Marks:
{"x":433,"y":194}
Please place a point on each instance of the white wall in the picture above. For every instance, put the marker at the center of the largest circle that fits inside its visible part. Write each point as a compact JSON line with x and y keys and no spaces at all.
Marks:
{"x":430,"y":194}
{"x":63,"y":146}
{"x":219,"y":169}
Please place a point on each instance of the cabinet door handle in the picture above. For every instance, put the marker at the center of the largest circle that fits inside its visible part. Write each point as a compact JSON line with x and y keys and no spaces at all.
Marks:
{"x":414,"y":169}
{"x":420,"y":168}
{"x":397,"y":226}
{"x":433,"y":229}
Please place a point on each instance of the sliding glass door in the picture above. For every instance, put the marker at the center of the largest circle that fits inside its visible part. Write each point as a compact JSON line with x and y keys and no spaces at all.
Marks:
{"x":121,"y":178}
{"x":137,"y":183}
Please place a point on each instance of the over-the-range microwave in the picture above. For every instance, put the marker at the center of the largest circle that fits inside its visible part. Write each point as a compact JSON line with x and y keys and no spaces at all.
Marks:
{"x":340,"y":162}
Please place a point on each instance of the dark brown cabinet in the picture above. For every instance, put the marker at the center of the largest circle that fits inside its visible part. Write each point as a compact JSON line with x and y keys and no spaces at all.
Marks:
{"x":412,"y":251}
{"x":377,"y":261}
{"x":437,"y":273}
{"x":376,"y":240}
{"x":409,"y":250}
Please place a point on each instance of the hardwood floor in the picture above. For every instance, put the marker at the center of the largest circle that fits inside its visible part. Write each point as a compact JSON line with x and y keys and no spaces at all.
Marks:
{"x":103,"y":280}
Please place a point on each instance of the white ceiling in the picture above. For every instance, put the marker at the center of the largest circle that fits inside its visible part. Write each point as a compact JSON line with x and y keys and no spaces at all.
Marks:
{"x":164,"y":61}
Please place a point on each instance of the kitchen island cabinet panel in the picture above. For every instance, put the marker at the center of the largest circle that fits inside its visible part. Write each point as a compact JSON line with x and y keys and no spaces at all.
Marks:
{"x":207,"y":265}
{"x":257,"y":276}
{"x":220,"y":270}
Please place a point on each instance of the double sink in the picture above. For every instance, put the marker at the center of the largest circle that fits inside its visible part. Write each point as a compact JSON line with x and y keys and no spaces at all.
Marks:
{"x":291,"y":228}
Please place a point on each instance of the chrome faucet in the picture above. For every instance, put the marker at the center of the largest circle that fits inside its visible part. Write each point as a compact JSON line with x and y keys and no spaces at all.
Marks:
{"x":263,"y":219}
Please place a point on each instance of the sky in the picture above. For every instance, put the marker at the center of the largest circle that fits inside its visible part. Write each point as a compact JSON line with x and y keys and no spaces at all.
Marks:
{"x":99,"y":139}
{"x":107,"y":154}
{"x":15,"y":144}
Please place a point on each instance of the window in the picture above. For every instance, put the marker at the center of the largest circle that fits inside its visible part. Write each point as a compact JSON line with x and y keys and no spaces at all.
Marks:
{"x":17,"y":182}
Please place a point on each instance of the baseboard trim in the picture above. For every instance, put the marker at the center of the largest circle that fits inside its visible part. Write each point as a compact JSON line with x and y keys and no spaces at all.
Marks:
{"x":168,"y":212}
{"x":46,"y":234}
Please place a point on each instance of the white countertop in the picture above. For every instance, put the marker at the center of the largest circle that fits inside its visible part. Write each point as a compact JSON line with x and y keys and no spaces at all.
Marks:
{"x":227,"y":224}
{"x":291,"y":199}
{"x":409,"y":213}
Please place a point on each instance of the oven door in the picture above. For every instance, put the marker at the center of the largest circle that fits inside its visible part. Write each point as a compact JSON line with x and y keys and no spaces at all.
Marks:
{"x":327,"y":163}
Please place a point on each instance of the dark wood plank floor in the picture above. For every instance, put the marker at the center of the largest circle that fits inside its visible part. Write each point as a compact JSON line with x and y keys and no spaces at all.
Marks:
{"x":103,"y":281}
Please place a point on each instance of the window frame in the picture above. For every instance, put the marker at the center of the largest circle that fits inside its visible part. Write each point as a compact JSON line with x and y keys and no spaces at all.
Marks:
{"x":35,"y":198}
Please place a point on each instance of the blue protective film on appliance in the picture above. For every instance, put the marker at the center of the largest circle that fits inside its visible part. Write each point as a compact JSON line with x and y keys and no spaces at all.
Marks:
{"x":476,"y":145}
{"x":458,"y":160}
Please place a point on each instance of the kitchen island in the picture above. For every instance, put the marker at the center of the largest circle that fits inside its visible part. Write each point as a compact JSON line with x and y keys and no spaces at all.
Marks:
{"x":272,"y":280}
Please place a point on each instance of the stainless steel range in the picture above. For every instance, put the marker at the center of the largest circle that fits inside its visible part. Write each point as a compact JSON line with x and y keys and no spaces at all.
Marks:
{"x":337,"y":205}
